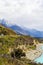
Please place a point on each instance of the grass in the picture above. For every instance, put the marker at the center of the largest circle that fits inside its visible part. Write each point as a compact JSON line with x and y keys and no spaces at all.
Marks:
{"x":7,"y":42}
{"x":33,"y":47}
{"x":10,"y":40}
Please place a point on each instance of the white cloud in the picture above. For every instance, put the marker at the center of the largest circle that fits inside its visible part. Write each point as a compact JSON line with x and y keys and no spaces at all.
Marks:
{"x":28,"y":13}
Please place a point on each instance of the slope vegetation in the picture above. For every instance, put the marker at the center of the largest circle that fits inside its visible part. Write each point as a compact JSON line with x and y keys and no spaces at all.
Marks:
{"x":13,"y":47}
{"x":6,"y":31}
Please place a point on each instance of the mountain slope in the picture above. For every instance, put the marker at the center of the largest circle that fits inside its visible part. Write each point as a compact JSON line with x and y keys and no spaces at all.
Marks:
{"x":6,"y":31}
{"x":25,"y":31}
{"x":8,"y":46}
{"x":22,"y":30}
{"x":3,"y":22}
{"x":18,"y":30}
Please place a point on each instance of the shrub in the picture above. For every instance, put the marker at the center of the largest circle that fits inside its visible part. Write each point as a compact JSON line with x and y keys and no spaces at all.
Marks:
{"x":19,"y":53}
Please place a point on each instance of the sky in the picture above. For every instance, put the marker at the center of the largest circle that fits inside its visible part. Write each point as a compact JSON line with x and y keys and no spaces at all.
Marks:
{"x":27,"y":13}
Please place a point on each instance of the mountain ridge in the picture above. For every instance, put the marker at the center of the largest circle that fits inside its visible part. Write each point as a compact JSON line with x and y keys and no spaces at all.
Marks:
{"x":31,"y":32}
{"x":23,"y":30}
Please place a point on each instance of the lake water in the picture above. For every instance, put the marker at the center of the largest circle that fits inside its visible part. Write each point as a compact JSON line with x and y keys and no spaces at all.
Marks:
{"x":39,"y":59}
{"x":41,"y":47}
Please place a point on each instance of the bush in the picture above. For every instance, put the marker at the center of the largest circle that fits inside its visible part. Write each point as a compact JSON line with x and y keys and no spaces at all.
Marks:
{"x":19,"y":53}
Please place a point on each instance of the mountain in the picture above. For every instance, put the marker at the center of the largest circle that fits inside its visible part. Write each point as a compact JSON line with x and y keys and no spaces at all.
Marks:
{"x":26,"y":31}
{"x":18,"y":29}
{"x":22,"y":30}
{"x":3,"y":22}
{"x":13,"y":47}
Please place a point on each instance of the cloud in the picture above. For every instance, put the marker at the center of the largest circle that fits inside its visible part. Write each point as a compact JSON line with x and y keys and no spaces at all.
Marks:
{"x":28,"y":13}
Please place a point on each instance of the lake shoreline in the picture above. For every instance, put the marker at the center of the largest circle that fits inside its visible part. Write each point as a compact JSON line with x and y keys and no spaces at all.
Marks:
{"x":34,"y":54}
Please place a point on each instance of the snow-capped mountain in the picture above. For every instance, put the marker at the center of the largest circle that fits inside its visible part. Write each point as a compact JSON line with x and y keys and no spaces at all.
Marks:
{"x":23,"y":30}
{"x":3,"y":22}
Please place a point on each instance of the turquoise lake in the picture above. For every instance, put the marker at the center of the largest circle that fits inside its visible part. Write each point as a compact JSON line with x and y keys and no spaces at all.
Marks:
{"x":41,"y":47}
{"x":39,"y":59}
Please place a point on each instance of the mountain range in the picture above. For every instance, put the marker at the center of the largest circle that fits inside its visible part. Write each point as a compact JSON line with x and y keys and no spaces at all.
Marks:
{"x":22,"y":30}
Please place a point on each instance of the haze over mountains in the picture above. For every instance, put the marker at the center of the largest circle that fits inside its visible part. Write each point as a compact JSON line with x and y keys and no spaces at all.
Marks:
{"x":22,"y":30}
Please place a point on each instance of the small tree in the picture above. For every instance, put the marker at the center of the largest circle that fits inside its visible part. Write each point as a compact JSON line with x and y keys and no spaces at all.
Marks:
{"x":19,"y":53}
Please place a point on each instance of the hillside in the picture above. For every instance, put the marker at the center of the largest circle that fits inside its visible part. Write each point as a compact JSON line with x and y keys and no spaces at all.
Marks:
{"x":13,"y":47}
{"x":6,"y":31}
